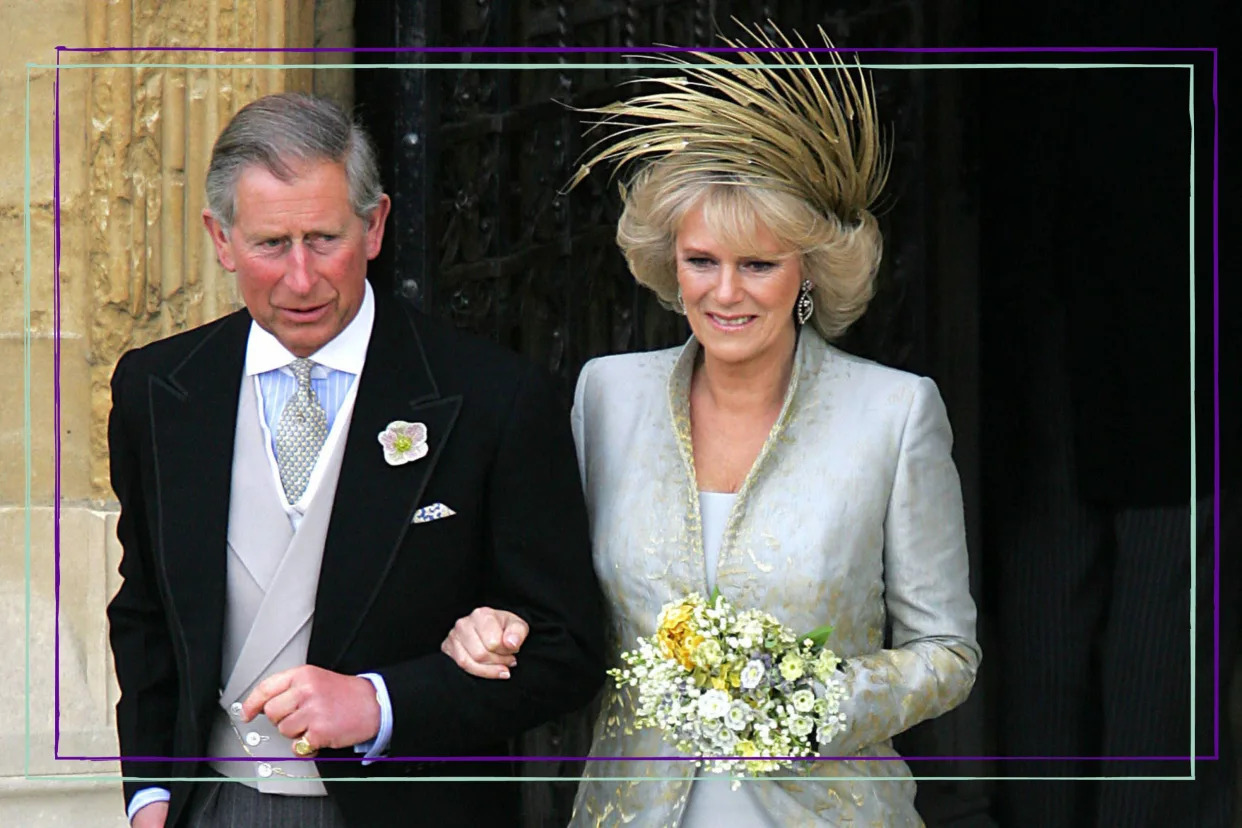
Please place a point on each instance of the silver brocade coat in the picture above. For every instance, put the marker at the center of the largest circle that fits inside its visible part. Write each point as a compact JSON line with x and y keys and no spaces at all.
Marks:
{"x":851,"y":515}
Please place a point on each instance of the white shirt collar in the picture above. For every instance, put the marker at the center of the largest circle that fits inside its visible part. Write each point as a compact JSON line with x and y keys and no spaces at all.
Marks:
{"x":347,"y":351}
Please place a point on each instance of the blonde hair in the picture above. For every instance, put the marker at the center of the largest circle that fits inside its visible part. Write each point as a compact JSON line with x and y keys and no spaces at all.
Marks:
{"x":840,"y":259}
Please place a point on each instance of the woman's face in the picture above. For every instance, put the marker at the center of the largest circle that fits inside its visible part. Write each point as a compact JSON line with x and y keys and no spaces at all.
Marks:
{"x":739,"y":307}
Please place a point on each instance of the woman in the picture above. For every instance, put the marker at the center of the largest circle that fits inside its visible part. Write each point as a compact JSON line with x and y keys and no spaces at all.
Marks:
{"x":758,"y":459}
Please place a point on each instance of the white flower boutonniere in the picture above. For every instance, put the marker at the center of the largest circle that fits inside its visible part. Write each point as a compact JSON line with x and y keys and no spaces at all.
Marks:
{"x":403,"y":442}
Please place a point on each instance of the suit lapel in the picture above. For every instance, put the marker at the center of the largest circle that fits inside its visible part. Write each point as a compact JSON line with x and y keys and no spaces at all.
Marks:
{"x":193,"y":414}
{"x":374,"y":501}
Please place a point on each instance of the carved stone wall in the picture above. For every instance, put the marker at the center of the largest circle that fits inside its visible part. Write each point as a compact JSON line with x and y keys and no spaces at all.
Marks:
{"x":150,"y":130}
{"x":135,"y":266}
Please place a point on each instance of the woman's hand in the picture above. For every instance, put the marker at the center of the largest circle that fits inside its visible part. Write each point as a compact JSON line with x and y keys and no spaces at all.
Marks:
{"x":485,"y":641}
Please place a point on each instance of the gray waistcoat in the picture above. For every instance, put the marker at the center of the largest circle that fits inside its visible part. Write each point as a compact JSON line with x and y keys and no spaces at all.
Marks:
{"x":273,"y":575}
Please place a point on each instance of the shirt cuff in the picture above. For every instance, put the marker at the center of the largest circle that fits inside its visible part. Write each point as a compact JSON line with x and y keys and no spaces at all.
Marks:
{"x":144,"y":798}
{"x":374,"y":748}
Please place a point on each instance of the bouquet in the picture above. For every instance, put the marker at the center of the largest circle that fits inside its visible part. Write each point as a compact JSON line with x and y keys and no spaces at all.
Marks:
{"x":719,"y":682}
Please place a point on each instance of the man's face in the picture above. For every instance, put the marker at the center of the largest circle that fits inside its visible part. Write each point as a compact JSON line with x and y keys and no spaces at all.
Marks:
{"x":299,"y":252}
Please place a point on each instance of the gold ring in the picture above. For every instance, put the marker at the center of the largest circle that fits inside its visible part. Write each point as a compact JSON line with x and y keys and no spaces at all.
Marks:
{"x":302,"y":747}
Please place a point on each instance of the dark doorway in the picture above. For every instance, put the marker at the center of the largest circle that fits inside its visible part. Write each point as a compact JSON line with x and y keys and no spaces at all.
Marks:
{"x":475,"y":158}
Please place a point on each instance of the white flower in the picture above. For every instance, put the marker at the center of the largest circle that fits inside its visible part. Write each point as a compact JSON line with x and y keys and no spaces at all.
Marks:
{"x":752,"y":674}
{"x":825,"y":665}
{"x":403,"y":442}
{"x":738,"y":715}
{"x":713,"y":704}
{"x":801,"y":726}
{"x":828,"y":730}
{"x":803,"y":700}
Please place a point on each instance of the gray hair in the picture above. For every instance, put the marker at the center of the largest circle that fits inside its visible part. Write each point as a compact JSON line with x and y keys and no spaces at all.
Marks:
{"x":276,"y":130}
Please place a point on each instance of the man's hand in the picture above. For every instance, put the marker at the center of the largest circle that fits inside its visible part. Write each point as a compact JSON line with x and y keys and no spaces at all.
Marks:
{"x":151,"y":816}
{"x":329,"y":709}
{"x":485,"y":641}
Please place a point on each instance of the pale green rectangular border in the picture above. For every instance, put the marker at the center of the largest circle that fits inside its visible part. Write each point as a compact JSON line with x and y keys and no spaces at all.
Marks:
{"x":27,"y":428}
{"x":627,"y":66}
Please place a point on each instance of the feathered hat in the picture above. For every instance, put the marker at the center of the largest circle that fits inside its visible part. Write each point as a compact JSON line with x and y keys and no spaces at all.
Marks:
{"x":776,"y":119}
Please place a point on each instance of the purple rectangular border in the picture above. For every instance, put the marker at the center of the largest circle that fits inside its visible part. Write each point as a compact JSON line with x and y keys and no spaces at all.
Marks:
{"x":663,"y":50}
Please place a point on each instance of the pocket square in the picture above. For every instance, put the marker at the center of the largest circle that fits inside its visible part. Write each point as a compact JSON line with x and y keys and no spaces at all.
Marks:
{"x":433,"y":512}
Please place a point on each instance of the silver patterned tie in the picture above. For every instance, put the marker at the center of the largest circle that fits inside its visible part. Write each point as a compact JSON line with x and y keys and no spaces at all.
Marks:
{"x":300,"y":434}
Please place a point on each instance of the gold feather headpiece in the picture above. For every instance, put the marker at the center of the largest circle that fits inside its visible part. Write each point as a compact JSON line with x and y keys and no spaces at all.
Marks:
{"x":775,"y":119}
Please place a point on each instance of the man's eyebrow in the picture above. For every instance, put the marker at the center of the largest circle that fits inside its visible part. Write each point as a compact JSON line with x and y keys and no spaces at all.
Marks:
{"x":261,"y":235}
{"x":282,"y":235}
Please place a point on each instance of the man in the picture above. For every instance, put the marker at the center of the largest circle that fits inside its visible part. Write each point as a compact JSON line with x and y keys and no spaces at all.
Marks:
{"x":312,"y":489}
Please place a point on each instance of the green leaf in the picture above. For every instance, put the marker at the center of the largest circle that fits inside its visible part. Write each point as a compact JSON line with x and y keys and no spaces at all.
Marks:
{"x":819,"y":635}
{"x":714,"y":596}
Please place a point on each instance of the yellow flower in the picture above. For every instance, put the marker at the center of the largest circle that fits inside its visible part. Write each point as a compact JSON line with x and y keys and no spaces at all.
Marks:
{"x":677,"y":636}
{"x":729,"y":676}
{"x":745,"y":747}
{"x":792,"y":666}
{"x":709,"y":654}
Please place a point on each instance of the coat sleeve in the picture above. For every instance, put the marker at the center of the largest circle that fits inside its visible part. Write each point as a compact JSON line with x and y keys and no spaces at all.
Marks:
{"x":540,"y":562}
{"x":138,"y":631}
{"x":931,"y":666}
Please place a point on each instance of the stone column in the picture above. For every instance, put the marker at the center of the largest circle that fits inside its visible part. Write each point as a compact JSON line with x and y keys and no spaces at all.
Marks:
{"x":135,"y":266}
